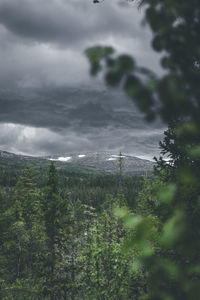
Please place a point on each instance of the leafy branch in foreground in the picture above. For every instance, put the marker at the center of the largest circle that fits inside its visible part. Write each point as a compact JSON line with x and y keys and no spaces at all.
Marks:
{"x":166,"y":238}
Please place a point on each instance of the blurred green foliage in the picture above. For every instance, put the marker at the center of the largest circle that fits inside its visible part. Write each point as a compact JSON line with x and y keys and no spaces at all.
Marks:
{"x":164,"y":228}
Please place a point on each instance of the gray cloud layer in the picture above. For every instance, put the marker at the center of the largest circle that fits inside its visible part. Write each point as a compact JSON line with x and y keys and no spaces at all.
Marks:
{"x":67,"y":22}
{"x":48,"y":101}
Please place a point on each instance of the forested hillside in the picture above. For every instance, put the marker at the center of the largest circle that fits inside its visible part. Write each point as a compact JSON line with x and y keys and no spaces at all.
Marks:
{"x":60,"y":238}
{"x":91,"y":162}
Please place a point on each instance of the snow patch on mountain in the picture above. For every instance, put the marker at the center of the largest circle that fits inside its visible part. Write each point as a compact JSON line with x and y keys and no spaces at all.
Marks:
{"x":111,"y":158}
{"x":117,"y":156}
{"x":81,"y":155}
{"x":64,"y":159}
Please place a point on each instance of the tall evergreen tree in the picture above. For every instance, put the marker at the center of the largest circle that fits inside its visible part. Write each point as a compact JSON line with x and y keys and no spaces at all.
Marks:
{"x":56,"y":215}
{"x":25,"y":238}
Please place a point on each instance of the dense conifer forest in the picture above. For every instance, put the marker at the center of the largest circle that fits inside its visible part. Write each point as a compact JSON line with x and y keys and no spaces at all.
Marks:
{"x":60,"y":237}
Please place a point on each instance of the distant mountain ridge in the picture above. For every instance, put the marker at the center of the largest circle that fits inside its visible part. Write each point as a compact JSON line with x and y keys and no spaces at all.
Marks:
{"x":103,"y":161}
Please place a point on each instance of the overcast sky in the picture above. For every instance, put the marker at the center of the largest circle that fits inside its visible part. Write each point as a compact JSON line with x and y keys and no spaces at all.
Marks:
{"x":49,"y":103}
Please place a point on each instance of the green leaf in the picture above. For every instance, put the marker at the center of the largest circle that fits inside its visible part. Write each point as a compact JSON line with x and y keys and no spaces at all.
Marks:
{"x":131,"y":221}
{"x":166,"y":194}
{"x":194,"y":152}
{"x":173,"y":229}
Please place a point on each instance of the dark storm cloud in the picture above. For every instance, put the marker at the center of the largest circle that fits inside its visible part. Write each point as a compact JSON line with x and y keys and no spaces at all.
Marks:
{"x":43,"y":41}
{"x":55,"y":120}
{"x":49,"y":104}
{"x":41,"y":141}
{"x":60,"y":108}
{"x":65,"y":22}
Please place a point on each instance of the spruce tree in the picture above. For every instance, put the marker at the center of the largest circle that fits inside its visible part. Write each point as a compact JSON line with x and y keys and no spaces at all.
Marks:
{"x":56,"y":214}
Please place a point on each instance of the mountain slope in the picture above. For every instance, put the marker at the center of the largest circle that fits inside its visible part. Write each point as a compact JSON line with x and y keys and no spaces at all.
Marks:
{"x":87,"y":162}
